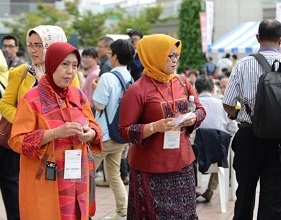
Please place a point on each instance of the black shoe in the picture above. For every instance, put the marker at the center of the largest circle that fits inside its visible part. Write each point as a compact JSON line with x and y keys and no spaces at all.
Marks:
{"x":208,"y":195}
{"x":126,"y":181}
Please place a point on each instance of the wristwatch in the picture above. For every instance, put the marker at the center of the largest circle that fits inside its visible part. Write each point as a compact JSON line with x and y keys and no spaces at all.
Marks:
{"x":151,"y":128}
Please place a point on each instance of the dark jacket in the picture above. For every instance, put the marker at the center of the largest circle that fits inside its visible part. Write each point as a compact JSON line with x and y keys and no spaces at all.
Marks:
{"x":213,"y":148}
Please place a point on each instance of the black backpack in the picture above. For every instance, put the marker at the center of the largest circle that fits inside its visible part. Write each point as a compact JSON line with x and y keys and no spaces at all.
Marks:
{"x":113,"y":126}
{"x":266,"y":121}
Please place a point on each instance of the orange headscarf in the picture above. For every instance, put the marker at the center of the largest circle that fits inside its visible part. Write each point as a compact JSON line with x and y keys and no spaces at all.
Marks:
{"x":153,"y":51}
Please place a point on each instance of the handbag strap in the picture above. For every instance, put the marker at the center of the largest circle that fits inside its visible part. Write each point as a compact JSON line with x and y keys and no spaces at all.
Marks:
{"x":183,"y":84}
{"x":25,"y":73}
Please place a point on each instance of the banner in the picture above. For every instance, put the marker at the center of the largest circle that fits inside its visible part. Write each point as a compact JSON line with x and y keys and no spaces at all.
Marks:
{"x":209,"y":21}
{"x":203,"y":31}
{"x":278,"y":11}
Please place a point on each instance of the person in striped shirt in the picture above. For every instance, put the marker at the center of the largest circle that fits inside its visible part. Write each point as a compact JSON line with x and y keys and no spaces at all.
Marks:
{"x":255,"y":158}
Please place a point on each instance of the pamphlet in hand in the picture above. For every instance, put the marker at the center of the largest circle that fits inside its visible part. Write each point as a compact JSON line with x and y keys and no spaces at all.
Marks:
{"x":182,"y":118}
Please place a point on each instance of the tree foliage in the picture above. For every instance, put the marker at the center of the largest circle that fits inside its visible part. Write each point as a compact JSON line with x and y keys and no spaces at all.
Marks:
{"x":46,"y":15}
{"x":190,"y":35}
{"x":142,"y":22}
{"x":88,"y":26}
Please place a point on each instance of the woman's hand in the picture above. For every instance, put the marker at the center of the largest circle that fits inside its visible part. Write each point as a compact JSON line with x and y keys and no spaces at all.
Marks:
{"x":68,"y":129}
{"x":163,"y":125}
{"x":189,"y":122}
{"x":88,"y":135}
{"x":95,"y":83}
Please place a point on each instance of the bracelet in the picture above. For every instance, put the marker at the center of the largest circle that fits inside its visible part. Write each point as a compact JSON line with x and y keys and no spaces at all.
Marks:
{"x":151,"y":128}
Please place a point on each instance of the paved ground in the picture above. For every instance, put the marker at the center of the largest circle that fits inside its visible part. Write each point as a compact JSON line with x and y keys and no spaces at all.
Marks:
{"x":106,"y":204}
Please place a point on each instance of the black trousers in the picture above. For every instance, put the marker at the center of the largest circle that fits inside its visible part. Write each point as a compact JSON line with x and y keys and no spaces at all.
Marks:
{"x":9,"y":182}
{"x":124,"y":168}
{"x":256,"y":159}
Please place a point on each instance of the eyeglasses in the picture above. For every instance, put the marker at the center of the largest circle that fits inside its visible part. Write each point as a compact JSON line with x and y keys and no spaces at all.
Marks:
{"x":174,"y":56}
{"x":8,"y":46}
{"x":36,"y":46}
{"x":108,"y":52}
{"x":66,"y":65}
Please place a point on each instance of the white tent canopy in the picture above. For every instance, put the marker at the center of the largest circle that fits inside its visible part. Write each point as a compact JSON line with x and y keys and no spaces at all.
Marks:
{"x":241,"y":39}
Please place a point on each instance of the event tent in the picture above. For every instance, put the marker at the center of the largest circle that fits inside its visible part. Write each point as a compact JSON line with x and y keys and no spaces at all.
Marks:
{"x":241,"y":39}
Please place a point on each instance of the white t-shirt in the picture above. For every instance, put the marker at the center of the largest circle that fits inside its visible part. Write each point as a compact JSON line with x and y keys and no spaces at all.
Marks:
{"x":223,"y":63}
{"x":107,"y":94}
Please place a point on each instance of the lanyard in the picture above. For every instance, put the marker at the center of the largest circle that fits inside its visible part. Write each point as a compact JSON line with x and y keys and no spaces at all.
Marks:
{"x":65,"y":104}
{"x":172,"y":108}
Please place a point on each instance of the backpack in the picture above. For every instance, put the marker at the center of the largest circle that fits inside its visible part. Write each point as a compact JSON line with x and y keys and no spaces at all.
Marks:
{"x":266,"y":120}
{"x":113,"y":126}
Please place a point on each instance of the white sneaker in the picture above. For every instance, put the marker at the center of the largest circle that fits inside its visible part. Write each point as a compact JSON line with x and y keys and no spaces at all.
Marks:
{"x":117,"y":217}
{"x":99,"y":175}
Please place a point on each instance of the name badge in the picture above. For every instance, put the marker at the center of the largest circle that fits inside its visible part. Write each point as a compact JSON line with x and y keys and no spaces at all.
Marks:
{"x":171,"y":140}
{"x":72,"y":166}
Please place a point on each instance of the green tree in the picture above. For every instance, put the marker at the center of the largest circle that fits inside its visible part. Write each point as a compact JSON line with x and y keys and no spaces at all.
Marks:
{"x":46,"y":14}
{"x":143,"y":22}
{"x":89,"y":27}
{"x":190,"y":35}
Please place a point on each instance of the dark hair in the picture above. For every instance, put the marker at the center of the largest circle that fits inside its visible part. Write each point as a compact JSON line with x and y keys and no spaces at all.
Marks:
{"x":20,"y":53}
{"x":124,"y":51}
{"x":107,"y":40}
{"x":32,"y":32}
{"x":224,"y":70}
{"x":234,"y":56}
{"x":270,"y":30}
{"x":227,"y":55}
{"x":90,"y":51}
{"x":202,"y":72}
{"x":204,"y":83}
{"x":187,"y":68}
{"x":135,"y":32}
{"x":11,"y":37}
{"x":227,"y":74}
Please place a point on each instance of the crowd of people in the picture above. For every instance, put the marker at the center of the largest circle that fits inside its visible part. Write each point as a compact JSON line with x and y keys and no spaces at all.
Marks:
{"x":61,"y":104}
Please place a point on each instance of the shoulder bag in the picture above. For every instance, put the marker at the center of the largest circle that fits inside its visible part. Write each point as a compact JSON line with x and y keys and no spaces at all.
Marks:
{"x":6,"y":126}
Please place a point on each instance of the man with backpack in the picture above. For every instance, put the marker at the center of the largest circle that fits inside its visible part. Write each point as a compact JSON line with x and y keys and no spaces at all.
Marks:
{"x":257,"y":154}
{"x":106,"y":98}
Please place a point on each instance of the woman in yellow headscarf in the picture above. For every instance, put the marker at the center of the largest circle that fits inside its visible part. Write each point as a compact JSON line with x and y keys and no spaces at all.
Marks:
{"x":162,"y":182}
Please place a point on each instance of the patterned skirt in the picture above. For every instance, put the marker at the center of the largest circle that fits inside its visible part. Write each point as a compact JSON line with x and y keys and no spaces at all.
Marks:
{"x":154,"y":196}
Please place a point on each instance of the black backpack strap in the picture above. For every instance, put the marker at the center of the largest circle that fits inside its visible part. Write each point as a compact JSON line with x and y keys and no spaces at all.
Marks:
{"x":121,"y":79}
{"x":262,"y":61}
{"x":124,"y":86}
{"x":267,"y":67}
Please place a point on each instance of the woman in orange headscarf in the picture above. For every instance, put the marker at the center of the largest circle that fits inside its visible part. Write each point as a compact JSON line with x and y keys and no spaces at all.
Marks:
{"x":52,"y":128}
{"x":162,"y":182}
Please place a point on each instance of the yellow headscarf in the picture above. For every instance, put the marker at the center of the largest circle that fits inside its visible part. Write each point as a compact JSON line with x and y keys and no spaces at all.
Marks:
{"x":153,"y":51}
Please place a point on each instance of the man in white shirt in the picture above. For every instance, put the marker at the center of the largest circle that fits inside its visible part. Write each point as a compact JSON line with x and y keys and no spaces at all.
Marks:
{"x":107,"y":95}
{"x":216,"y":118}
{"x":223,"y":63}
